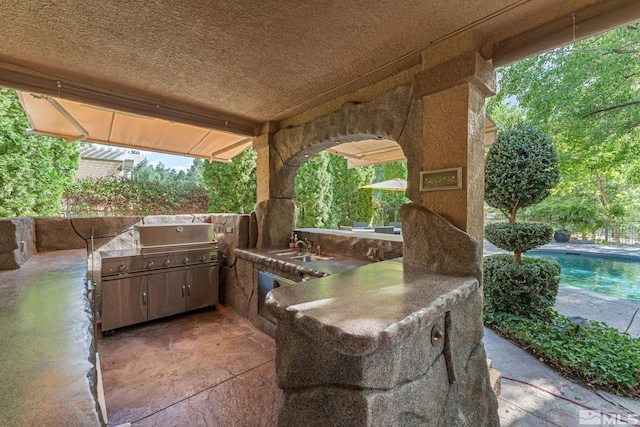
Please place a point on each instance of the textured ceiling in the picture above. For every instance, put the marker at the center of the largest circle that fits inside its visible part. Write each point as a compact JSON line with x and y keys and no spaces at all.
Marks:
{"x":246,"y":61}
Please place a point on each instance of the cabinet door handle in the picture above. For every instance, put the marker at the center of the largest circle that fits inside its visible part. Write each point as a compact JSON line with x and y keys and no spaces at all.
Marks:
{"x":144,"y":298}
{"x":188,"y":290}
{"x":183,"y":291}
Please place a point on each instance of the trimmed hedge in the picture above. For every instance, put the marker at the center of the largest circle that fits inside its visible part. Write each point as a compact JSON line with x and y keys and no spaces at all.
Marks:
{"x":526,"y":289}
{"x":518,"y":237}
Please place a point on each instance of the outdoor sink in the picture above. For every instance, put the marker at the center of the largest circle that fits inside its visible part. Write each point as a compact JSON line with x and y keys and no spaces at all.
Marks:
{"x":300,"y":256}
{"x":288,"y":253}
{"x":311,"y":258}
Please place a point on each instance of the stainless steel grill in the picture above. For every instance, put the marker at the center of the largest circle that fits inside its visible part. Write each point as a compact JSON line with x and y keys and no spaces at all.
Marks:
{"x":163,"y":246}
{"x":174,"y":268}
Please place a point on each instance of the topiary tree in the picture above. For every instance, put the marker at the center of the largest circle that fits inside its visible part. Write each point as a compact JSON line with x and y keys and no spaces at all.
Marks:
{"x":521,"y":169}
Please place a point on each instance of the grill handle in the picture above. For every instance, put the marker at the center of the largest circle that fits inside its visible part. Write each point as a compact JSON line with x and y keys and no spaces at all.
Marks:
{"x":144,"y":298}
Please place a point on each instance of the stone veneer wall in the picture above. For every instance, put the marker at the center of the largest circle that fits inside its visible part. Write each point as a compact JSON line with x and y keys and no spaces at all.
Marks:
{"x":17,"y":242}
{"x":352,"y":245}
{"x":418,"y":382}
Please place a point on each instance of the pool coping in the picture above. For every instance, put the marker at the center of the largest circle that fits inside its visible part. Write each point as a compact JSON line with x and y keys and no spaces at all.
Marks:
{"x":622,"y":252}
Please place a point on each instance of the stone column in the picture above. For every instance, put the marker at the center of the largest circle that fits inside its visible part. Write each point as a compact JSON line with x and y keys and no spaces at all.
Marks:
{"x":453,"y":94}
{"x":274,"y":209}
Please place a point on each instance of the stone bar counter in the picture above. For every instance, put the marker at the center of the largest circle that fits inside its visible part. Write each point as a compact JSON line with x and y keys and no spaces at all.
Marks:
{"x":383,"y":344}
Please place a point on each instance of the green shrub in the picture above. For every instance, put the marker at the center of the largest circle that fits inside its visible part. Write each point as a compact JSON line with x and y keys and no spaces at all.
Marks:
{"x":528,"y":288}
{"x":521,"y":169}
{"x":603,"y":356}
{"x":518,"y":237}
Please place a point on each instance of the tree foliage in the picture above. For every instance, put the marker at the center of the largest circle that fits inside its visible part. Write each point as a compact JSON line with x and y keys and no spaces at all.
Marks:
{"x":521,"y":169}
{"x":518,"y":237}
{"x":330,"y":194}
{"x":151,"y":190}
{"x":232,"y":186}
{"x":34,"y":170}
{"x":350,"y":202}
{"x":587,"y":97}
{"x":314,"y":192}
{"x":139,"y":196}
{"x":525,"y":289}
{"x":161,"y":174}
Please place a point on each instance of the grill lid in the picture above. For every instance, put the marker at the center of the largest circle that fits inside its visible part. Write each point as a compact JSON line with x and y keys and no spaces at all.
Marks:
{"x":164,"y":235}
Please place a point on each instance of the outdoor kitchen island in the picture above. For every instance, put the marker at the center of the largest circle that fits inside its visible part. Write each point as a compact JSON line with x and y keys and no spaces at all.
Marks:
{"x":382,"y":344}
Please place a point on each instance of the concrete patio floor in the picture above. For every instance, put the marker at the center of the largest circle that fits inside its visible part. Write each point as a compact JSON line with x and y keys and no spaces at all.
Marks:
{"x":206,"y":368}
{"x":214,"y":368}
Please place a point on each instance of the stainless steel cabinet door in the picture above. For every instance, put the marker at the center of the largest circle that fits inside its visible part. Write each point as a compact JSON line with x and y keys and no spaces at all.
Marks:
{"x":124,"y":302}
{"x":202,"y":287}
{"x":167,"y":294}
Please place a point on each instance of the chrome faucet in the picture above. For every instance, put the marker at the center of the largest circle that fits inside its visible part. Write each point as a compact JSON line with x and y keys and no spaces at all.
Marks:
{"x":304,"y":242}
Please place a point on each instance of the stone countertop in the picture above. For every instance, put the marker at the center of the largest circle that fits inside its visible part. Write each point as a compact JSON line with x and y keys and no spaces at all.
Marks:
{"x":370,"y":308}
{"x":337,"y":263}
{"x":46,"y":348}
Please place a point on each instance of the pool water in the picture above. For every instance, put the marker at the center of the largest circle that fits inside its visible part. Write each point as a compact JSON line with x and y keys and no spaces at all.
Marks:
{"x":617,"y":277}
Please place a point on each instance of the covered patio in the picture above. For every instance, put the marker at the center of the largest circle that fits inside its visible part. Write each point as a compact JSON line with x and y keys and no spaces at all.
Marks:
{"x":293,"y":80}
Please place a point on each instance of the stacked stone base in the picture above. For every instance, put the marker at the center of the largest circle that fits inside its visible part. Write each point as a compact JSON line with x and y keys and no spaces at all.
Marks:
{"x":419,"y":382}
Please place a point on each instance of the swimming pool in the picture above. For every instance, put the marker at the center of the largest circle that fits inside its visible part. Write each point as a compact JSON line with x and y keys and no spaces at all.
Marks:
{"x":618,"y":277}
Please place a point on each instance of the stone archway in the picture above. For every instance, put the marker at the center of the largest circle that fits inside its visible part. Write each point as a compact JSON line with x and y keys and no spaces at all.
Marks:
{"x":436,"y":121}
{"x":395,"y":115}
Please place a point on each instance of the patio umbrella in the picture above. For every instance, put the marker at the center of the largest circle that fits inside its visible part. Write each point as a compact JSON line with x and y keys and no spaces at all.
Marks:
{"x":395,"y":184}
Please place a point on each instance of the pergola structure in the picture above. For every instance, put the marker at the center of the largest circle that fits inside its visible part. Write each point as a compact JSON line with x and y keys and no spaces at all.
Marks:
{"x":298,"y":78}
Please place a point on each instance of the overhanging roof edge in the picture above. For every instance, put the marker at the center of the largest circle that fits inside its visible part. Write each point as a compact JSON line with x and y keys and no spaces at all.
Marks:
{"x":21,"y":79}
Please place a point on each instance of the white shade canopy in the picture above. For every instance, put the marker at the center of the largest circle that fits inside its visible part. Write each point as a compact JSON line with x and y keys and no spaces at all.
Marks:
{"x":376,"y":151}
{"x":75,"y":121}
{"x":369,"y":152}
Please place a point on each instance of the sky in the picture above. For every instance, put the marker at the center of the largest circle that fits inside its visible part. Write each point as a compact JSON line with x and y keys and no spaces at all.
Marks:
{"x":168,"y":160}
